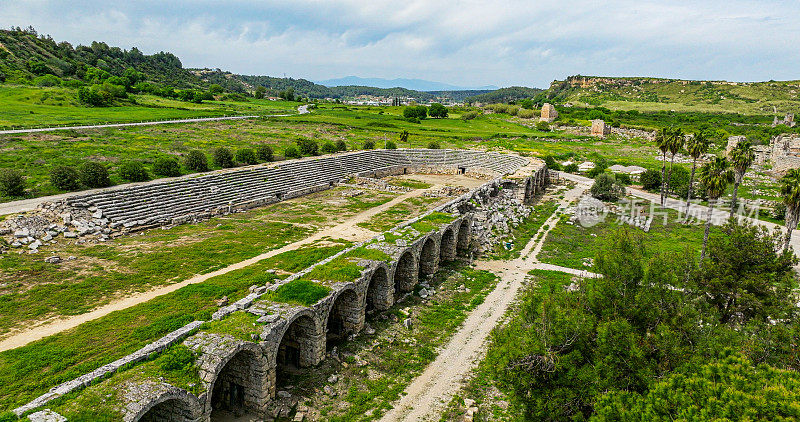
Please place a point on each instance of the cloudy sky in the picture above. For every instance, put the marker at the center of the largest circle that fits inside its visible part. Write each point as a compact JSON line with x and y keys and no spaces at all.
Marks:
{"x":467,"y":43}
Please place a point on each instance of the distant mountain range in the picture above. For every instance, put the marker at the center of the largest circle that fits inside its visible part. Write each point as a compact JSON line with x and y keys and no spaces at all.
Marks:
{"x":412,"y":84}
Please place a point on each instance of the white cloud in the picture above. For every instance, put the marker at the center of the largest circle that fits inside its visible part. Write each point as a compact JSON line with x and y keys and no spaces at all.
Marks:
{"x":462,"y":42}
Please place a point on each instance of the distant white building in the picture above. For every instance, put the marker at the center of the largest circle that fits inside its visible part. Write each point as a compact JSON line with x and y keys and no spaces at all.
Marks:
{"x":631,"y":170}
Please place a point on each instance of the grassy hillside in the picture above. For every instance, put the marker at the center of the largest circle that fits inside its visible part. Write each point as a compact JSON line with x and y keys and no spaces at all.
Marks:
{"x":652,"y":94}
{"x":504,"y":95}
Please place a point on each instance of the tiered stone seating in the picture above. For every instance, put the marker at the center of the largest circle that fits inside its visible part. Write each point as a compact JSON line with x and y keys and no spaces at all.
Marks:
{"x":162,"y":202}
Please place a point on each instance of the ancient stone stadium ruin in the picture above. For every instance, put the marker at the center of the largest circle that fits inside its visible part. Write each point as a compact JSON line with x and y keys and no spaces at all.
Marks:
{"x":243,"y":373}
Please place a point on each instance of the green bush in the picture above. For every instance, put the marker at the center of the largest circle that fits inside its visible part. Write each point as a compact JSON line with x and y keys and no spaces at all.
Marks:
{"x":526,"y":114}
{"x":8,"y":417}
{"x":94,"y":175}
{"x":415,"y":112}
{"x":222,"y":157}
{"x":47,"y":80}
{"x":341,"y":145}
{"x":167,"y":167}
{"x":437,"y":111}
{"x":390,"y":145}
{"x":291,"y":152}
{"x":177,"y":358}
{"x":469,"y":115}
{"x":369,"y":144}
{"x":65,"y":178}
{"x":246,"y":156}
{"x":133,"y":171}
{"x":434,"y":145}
{"x":543,"y":126}
{"x":571,"y":168}
{"x":265,"y":153}
{"x":12,"y":182}
{"x":328,"y":148}
{"x":624,"y":178}
{"x":607,"y":188}
{"x":651,"y":180}
{"x":196,"y":161}
{"x":307,"y":147}
{"x":551,"y":163}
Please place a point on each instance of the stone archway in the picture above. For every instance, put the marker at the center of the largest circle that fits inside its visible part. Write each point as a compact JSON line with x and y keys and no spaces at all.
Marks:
{"x":241,"y":385}
{"x":346,"y":316}
{"x":464,"y":237}
{"x":447,"y":245}
{"x":302,"y":345}
{"x":429,"y":257}
{"x":405,"y":274}
{"x":379,"y":291}
{"x":172,"y":409}
{"x":530,"y":191}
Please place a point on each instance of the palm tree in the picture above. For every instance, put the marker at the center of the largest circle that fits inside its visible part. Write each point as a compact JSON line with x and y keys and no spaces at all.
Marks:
{"x":742,"y":156}
{"x":790,"y":191}
{"x":662,"y":142}
{"x":697,"y":146}
{"x":715,"y":176}
{"x":676,"y":141}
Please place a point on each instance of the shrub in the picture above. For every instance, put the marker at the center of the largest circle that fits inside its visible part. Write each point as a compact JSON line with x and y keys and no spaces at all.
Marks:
{"x":433,"y":145}
{"x":415,"y":112}
{"x":651,"y":180}
{"x":94,"y":175}
{"x":12,"y":182}
{"x":8,"y":416}
{"x":65,"y":178}
{"x":369,"y":144}
{"x":543,"y":126}
{"x":167,"y":167}
{"x":607,"y":188}
{"x":623,"y":178}
{"x":47,"y":80}
{"x":571,"y":168}
{"x":265,"y":153}
{"x":133,"y":171}
{"x":551,"y":163}
{"x":437,"y":111}
{"x":413,"y":120}
{"x":469,"y":115}
{"x":196,"y":161}
{"x":390,"y":145}
{"x":246,"y":156}
{"x":341,"y":146}
{"x":328,"y":148}
{"x":177,"y":358}
{"x":291,"y":152}
{"x":222,"y":157}
{"x":525,"y":113}
{"x":307,"y":146}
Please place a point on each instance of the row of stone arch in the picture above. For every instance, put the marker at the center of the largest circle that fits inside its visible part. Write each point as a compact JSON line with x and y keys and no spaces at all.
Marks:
{"x":242,"y":375}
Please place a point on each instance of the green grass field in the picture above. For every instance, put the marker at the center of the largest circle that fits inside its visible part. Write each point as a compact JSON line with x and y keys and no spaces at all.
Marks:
{"x":25,"y":106}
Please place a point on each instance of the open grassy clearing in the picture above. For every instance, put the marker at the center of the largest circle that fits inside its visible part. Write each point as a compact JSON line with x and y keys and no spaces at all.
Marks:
{"x":405,"y":210}
{"x":31,"y":370}
{"x":27,"y":106}
{"x":33,"y":290}
{"x":575,"y":246}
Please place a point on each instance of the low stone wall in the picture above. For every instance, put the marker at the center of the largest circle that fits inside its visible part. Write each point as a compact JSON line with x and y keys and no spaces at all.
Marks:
{"x":248,"y":370}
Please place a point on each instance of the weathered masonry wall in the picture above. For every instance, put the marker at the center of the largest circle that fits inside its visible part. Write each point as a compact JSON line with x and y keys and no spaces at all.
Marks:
{"x":239,"y":374}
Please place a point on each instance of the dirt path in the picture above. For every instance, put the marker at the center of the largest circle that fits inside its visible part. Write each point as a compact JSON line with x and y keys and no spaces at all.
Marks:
{"x":345,"y":230}
{"x":428,"y":395}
